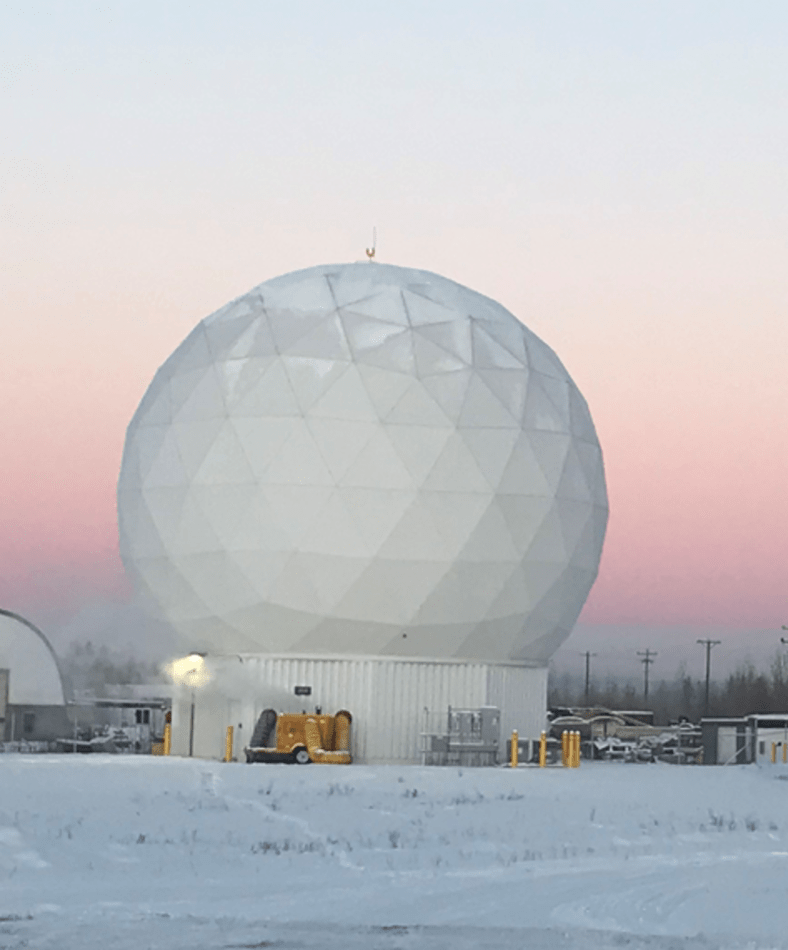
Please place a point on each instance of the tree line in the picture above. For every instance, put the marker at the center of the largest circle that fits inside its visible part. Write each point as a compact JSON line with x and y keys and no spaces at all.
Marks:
{"x":746,"y":690}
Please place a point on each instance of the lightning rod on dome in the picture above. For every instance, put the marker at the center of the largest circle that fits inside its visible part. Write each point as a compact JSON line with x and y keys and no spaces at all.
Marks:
{"x":371,"y":250}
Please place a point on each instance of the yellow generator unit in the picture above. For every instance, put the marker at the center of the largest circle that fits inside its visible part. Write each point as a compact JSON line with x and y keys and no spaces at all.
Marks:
{"x":301,"y":738}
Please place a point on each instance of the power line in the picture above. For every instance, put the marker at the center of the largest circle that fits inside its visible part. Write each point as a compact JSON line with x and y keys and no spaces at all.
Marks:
{"x":646,"y":661}
{"x":708,"y":644}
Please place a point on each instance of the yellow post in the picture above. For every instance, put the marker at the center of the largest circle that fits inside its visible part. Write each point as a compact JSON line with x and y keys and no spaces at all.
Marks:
{"x":543,"y":750}
{"x":515,"y":750}
{"x":774,"y":752}
{"x":577,"y":750}
{"x":565,"y":748}
{"x":785,"y":753}
{"x":228,"y":745}
{"x":167,"y":738}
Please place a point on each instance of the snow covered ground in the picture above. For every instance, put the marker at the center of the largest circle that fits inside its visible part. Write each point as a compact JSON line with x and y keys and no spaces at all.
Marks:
{"x":136,"y":852}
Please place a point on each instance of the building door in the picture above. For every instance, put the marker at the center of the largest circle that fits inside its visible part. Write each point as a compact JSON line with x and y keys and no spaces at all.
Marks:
{"x":727,"y":746}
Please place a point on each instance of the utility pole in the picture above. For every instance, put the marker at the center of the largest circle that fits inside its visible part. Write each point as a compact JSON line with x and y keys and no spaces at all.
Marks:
{"x":588,"y":654}
{"x":646,"y":661}
{"x":708,"y":644}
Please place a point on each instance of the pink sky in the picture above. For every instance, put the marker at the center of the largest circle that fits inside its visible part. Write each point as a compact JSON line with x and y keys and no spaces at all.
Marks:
{"x":620,"y":187}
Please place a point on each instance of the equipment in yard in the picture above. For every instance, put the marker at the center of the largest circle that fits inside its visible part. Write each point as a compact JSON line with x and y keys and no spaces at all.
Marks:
{"x":301,"y":738}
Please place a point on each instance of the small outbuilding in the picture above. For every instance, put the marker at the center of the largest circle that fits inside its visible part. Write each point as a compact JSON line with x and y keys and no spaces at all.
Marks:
{"x":32,"y":695}
{"x":759,"y":737}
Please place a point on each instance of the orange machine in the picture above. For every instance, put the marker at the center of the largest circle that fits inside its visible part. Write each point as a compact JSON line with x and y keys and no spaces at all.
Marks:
{"x":301,"y":738}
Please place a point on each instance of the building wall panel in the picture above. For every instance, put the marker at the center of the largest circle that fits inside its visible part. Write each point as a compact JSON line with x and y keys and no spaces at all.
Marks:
{"x":388,"y":698}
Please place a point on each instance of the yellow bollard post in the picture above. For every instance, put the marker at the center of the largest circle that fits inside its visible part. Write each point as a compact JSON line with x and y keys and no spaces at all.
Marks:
{"x":542,"y":750}
{"x":514,"y":751}
{"x":577,"y":750}
{"x":774,"y":753}
{"x":564,"y":748}
{"x":572,"y":737}
{"x":167,"y":738}
{"x":228,"y":745}
{"x":785,"y":753}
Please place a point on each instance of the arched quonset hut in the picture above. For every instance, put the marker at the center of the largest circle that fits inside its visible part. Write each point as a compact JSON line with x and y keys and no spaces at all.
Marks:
{"x":372,"y":481}
{"x":32,"y":699}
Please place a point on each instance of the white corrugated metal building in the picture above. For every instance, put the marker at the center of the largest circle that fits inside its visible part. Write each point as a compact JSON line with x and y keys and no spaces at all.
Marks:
{"x":387,"y":696}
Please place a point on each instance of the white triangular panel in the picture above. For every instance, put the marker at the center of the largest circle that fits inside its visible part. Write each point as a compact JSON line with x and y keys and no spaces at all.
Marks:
{"x":194,"y":440}
{"x":294,"y":588}
{"x":550,"y":449}
{"x":346,"y":399}
{"x":523,"y":474}
{"x":432,"y":359}
{"x":509,"y":387}
{"x":490,"y":540}
{"x":293,"y":510}
{"x":395,"y":353}
{"x":202,"y":401}
{"x":489,"y":354}
{"x":453,"y":337}
{"x":456,"y":514}
{"x":572,"y":484}
{"x":225,"y":461}
{"x":271,"y":394}
{"x":548,"y":545}
{"x":196,"y":534}
{"x":383,"y":304}
{"x":164,"y":506}
{"x":326,"y":341}
{"x":417,"y":408}
{"x":541,"y":358}
{"x":540,"y":413}
{"x":375,"y":512}
{"x":334,"y":530}
{"x":231,"y":338}
{"x":156,"y":407}
{"x":580,"y":418}
{"x":524,"y":517}
{"x":418,"y":447}
{"x":310,"y":294}
{"x":421,"y":310}
{"x":416,"y":531}
{"x":148,"y":442}
{"x":483,"y":408}
{"x":193,"y":353}
{"x":492,"y":450}
{"x":509,"y":334}
{"x":262,"y":438}
{"x":227,"y":507}
{"x":167,"y":468}
{"x":311,"y":378}
{"x":366,"y":333}
{"x":456,"y":470}
{"x":237,"y":378}
{"x":449,"y":391}
{"x":378,"y":466}
{"x":385,"y":389}
{"x":298,"y":461}
{"x":340,"y":442}
{"x":290,"y":326}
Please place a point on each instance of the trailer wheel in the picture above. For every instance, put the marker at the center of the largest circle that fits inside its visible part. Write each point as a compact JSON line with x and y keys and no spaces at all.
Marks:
{"x":301,"y":757}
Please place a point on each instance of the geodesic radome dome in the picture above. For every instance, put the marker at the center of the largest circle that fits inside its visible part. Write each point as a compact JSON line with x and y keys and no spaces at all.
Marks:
{"x":364,"y":459}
